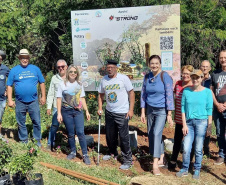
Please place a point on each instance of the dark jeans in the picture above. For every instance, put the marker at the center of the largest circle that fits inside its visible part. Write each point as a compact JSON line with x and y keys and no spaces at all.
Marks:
{"x":220,"y":123}
{"x":53,"y":129}
{"x":34,"y":112}
{"x":178,"y":137}
{"x":117,"y":123}
{"x":74,"y":122}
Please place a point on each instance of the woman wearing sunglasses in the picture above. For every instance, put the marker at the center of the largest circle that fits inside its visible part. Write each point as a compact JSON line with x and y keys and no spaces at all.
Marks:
{"x":196,"y":108}
{"x":70,"y":105}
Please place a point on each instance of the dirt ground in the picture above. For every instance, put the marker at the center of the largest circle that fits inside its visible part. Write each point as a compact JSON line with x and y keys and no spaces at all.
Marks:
{"x":141,"y":170}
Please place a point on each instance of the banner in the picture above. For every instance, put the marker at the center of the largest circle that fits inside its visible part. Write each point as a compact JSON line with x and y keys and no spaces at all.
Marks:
{"x":128,"y":35}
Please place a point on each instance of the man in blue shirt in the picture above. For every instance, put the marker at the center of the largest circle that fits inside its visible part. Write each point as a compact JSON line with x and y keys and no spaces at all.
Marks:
{"x":4,"y":72}
{"x":25,"y":78}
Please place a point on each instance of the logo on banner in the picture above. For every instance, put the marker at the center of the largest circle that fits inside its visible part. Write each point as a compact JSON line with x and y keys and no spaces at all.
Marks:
{"x":76,"y":14}
{"x":124,"y":18}
{"x":123,"y":11}
{"x":111,"y":17}
{"x":85,"y":84}
{"x":82,"y":29}
{"x":83,"y":45}
{"x":83,"y":56}
{"x":79,"y":36}
{"x":88,"y":36}
{"x":98,"y":14}
{"x":78,"y":22}
{"x":85,"y":74}
{"x":84,"y":65}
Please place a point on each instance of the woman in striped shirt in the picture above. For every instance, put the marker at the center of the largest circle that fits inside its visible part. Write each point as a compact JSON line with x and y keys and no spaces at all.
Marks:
{"x":178,"y":90}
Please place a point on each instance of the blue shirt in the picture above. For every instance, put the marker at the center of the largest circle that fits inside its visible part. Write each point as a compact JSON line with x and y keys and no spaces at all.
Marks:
{"x":4,"y":72}
{"x":207,"y":82}
{"x":156,"y":93}
{"x":197,"y":104}
{"x":25,"y":80}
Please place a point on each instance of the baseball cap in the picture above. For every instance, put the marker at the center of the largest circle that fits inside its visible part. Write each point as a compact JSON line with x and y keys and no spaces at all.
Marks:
{"x":197,"y":72}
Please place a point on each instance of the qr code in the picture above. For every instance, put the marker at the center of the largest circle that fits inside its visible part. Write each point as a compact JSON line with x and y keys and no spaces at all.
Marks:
{"x":166,"y":43}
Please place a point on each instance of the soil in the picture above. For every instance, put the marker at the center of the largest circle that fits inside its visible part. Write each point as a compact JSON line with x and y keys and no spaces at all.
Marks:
{"x":141,"y":170}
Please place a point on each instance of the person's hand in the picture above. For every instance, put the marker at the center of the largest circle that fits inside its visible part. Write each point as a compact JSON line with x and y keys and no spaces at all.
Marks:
{"x":11,"y":103}
{"x":129,"y":114}
{"x":99,"y":112}
{"x":221,"y":107}
{"x":143,"y":118}
{"x":87,"y":115}
{"x":48,"y":112}
{"x":185,"y":130}
{"x":170,"y":120}
{"x":209,"y":130}
{"x":42,"y":100}
{"x":5,"y":94}
{"x":59,"y":118}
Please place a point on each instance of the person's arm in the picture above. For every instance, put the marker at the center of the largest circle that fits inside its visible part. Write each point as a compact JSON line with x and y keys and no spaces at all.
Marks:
{"x":168,"y":84}
{"x":43,"y":92}
{"x":100,"y":103}
{"x":59,"y":115}
{"x":209,"y":110}
{"x":131,"y":104}
{"x":220,"y":106}
{"x":50,"y":97}
{"x":84,"y":105}
{"x":183,"y":102}
{"x":11,"y":103}
{"x":143,"y":96}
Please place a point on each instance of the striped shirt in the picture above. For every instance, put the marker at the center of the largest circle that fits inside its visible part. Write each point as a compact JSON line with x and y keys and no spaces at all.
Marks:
{"x":178,"y":90}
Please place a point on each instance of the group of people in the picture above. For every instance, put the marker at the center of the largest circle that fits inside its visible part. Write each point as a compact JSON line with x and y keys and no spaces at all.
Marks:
{"x":192,"y":98}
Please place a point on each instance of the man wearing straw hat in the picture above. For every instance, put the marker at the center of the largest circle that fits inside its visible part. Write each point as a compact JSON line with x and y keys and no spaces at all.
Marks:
{"x":25,"y":78}
{"x":4,"y":72}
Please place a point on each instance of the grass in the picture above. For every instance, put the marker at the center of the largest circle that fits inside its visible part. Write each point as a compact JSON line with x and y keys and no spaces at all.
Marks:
{"x":52,"y":177}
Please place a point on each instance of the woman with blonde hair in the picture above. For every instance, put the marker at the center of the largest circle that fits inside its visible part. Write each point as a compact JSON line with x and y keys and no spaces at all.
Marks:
{"x":178,"y":91}
{"x":70,"y":105}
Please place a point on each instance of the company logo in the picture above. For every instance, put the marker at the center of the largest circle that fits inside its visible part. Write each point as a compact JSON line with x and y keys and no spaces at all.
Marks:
{"x":123,"y":18}
{"x":82,"y":29}
{"x":88,"y":36}
{"x":83,"y":45}
{"x":76,"y":14}
{"x":78,"y":22}
{"x":79,"y":36}
{"x":85,"y":74}
{"x":84,"y":65}
{"x":111,"y":17}
{"x":83,"y":56}
{"x":98,"y":14}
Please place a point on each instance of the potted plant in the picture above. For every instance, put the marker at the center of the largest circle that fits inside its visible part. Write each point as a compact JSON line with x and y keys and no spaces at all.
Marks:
{"x":5,"y":156}
{"x":22,"y":167}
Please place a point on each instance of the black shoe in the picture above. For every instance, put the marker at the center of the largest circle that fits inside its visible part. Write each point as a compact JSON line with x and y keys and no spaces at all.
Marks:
{"x":172,"y":166}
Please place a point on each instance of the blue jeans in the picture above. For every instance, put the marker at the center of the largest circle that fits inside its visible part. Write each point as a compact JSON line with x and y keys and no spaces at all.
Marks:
{"x":2,"y":108}
{"x":156,"y":118}
{"x":34,"y":112}
{"x":74,"y":122}
{"x":220,"y":123}
{"x":196,"y":131}
{"x":54,"y":127}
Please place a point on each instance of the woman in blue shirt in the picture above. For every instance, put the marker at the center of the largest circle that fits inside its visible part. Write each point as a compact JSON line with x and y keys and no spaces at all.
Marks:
{"x":157,"y":98}
{"x":196,"y":108}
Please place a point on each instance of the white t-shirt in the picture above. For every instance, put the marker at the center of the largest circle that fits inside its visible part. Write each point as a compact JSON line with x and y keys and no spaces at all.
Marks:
{"x":116,"y":92}
{"x":70,"y":94}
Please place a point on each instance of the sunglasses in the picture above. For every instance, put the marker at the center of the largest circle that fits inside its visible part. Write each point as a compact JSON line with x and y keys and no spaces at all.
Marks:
{"x":75,"y":72}
{"x":58,"y":67}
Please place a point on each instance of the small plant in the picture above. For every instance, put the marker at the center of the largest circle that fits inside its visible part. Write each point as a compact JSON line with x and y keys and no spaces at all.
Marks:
{"x":22,"y":165}
{"x":58,"y":149}
{"x":5,"y":154}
